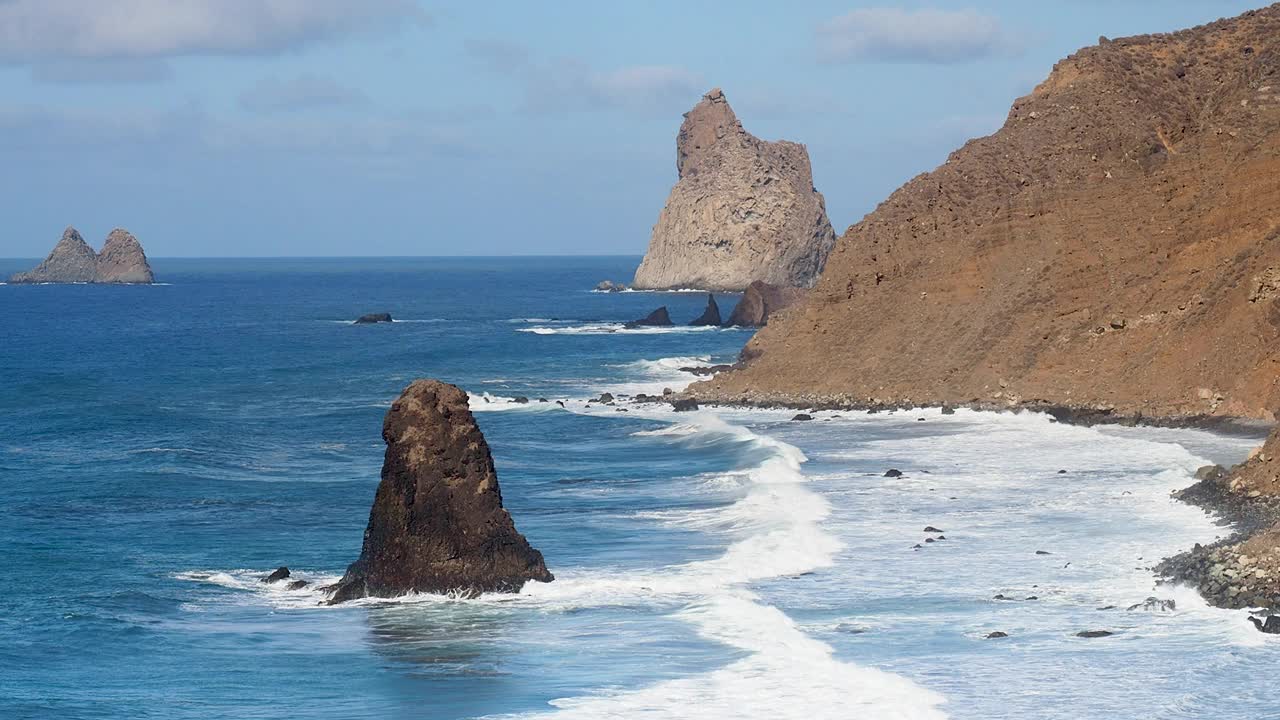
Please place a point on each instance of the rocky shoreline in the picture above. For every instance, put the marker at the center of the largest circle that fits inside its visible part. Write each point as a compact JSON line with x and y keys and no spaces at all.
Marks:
{"x":1239,"y":571}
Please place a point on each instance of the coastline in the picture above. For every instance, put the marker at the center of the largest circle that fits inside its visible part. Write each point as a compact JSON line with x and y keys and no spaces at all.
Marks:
{"x":1239,"y":571}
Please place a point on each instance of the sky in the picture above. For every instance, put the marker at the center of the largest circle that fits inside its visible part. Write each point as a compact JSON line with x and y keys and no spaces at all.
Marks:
{"x":237,"y":128}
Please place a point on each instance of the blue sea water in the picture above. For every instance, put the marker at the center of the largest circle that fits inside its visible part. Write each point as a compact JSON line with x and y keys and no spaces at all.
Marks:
{"x":163,"y":447}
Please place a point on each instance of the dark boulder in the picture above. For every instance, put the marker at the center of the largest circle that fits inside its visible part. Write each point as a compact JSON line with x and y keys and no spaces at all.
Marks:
{"x":280,"y":573}
{"x":372,"y":318}
{"x":893,"y":473}
{"x":948,"y":410}
{"x":684,"y":405}
{"x":932,"y":529}
{"x":437,"y":524}
{"x":520,"y":400}
{"x":1094,"y":633}
{"x":801,"y":417}
{"x":605,"y":398}
{"x":1271,"y":626}
{"x":996,"y":635}
{"x":710,"y":316}
{"x":657,"y":318}
{"x":705,"y":370}
{"x":296,"y":585}
{"x":760,"y":301}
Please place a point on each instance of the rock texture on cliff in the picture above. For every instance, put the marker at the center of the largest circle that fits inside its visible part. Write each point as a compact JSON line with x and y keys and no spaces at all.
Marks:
{"x":743,"y":209}
{"x":760,"y":301}
{"x":437,"y":523}
{"x":1115,"y":245}
{"x":122,"y":260}
{"x":73,"y":261}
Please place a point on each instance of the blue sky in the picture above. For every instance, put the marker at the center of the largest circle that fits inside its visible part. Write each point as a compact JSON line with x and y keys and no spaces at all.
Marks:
{"x":399,"y":127}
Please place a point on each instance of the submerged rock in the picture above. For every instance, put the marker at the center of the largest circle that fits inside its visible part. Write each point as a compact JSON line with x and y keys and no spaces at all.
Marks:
{"x":1271,"y":626}
{"x":996,"y":635}
{"x":657,"y":318}
{"x":437,"y":524}
{"x":372,"y":318}
{"x":684,"y":405}
{"x":709,"y":316}
{"x":759,"y":301}
{"x":1094,"y":633}
{"x":743,"y":209}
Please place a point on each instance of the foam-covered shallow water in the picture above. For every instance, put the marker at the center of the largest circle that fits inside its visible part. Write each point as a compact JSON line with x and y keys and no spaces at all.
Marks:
{"x":163,"y":448}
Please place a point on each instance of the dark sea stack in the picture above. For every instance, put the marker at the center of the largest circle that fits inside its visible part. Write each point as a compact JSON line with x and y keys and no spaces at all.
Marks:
{"x":437,"y":523}
{"x":710,"y":316}
{"x":72,"y":261}
{"x":657,"y":318}
{"x":759,"y":302}
{"x":743,"y":209}
{"x":123,"y":261}
{"x":1112,"y":246}
{"x":373,"y":318}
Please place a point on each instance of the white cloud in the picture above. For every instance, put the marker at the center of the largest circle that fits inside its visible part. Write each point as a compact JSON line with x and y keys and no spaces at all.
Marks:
{"x":919,"y":36}
{"x":573,"y":85}
{"x":36,"y":30}
{"x":304,"y":92}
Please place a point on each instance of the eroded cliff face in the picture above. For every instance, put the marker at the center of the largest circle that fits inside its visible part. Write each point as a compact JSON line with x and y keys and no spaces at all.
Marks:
{"x":122,"y":260}
{"x":73,"y":261}
{"x":1114,"y":246}
{"x":437,"y":524}
{"x":743,"y":210}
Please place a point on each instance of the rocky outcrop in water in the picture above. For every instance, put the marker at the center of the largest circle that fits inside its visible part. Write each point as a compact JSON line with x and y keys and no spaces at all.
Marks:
{"x":657,"y":318}
{"x":121,"y":261}
{"x":1114,"y":247}
{"x":437,"y":523}
{"x":760,"y":301}
{"x":743,"y":209}
{"x":372,"y":318}
{"x":709,"y":316}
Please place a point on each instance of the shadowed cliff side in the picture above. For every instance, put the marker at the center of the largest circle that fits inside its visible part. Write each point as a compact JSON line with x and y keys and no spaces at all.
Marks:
{"x":437,"y":524}
{"x":1114,"y":246}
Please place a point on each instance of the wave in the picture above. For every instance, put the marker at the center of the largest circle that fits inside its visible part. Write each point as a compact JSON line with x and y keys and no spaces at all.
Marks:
{"x":778,"y":531}
{"x":488,"y":402}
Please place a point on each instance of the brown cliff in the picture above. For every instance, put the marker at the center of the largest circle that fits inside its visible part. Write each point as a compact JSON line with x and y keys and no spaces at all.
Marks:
{"x":743,"y":209}
{"x":1113,"y":246}
{"x":437,"y":524}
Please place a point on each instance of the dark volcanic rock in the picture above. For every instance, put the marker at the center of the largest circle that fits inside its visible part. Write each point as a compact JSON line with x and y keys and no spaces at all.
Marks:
{"x":123,"y":261}
{"x":296,"y":585}
{"x":710,"y":316}
{"x":437,"y":523}
{"x":704,"y":371}
{"x":1271,"y":626}
{"x":801,"y":417}
{"x":279,"y":573}
{"x":372,"y":318}
{"x":892,"y":473}
{"x":71,"y":261}
{"x":684,"y":405}
{"x":760,"y":301}
{"x":996,"y":635}
{"x":1094,"y":633}
{"x":657,"y":318}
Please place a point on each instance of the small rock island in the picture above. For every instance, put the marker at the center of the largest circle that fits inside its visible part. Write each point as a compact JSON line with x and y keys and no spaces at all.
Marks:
{"x":437,"y":523}
{"x":122,"y":261}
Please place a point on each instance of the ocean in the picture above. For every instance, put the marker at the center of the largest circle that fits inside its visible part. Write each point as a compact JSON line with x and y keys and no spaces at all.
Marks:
{"x":164,"y":447}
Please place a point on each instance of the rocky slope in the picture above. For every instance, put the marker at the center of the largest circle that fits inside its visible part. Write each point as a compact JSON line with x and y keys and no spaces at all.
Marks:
{"x":73,"y":261}
{"x":437,"y":524}
{"x":1113,"y":247}
{"x":743,"y":209}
